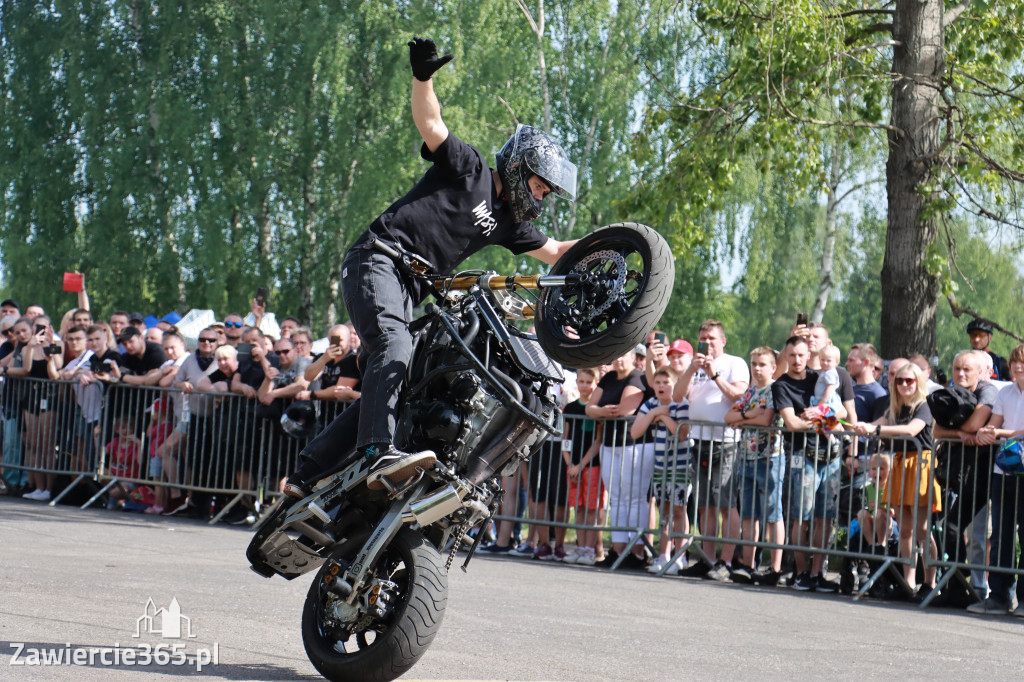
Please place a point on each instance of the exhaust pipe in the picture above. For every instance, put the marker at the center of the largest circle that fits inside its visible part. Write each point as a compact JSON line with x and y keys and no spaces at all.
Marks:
{"x":435,"y":506}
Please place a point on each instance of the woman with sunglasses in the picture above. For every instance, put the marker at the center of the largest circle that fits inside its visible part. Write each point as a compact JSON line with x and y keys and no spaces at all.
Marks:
{"x":912,"y":487}
{"x":40,"y":358}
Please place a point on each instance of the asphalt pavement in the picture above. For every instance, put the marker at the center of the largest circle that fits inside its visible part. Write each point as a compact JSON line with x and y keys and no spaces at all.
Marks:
{"x":77,"y":582}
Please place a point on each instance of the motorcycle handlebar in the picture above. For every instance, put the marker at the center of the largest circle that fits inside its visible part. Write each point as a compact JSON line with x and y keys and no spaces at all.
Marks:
{"x":494,"y":282}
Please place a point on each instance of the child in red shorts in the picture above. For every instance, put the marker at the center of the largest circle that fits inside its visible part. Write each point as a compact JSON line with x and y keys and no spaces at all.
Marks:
{"x":580,"y":448}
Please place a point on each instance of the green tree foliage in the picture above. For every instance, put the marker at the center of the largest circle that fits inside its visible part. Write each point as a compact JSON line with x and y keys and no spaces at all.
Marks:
{"x":182,"y":155}
{"x":936,"y":88}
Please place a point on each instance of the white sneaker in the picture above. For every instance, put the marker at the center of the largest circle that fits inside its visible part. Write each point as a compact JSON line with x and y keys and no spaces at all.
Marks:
{"x":678,"y":565}
{"x":586,"y":558}
{"x":572,"y":556}
{"x":658,"y":564}
{"x":38,"y":495}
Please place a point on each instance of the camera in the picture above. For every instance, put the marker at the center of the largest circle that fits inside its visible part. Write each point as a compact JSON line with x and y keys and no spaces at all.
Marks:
{"x":261,"y":296}
{"x":96,"y":365}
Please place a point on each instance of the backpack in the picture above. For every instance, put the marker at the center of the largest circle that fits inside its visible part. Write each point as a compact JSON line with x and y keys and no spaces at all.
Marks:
{"x":951,"y":406}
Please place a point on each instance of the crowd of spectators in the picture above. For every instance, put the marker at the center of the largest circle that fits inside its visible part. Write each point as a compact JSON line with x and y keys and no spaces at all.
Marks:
{"x":94,"y":389}
{"x":794,"y":435}
{"x":780,"y":438}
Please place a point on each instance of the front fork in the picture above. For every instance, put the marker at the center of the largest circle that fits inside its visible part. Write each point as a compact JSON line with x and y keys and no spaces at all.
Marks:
{"x":385,"y":531}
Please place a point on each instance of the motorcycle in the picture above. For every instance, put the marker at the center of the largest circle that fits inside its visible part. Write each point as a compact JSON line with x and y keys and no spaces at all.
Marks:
{"x":477,"y":393}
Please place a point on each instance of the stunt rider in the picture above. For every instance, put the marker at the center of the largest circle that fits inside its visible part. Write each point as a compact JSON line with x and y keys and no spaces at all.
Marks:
{"x":457,"y":208}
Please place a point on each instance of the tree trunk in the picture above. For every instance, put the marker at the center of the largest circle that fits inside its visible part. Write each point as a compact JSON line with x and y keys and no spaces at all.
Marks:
{"x":909,"y":290}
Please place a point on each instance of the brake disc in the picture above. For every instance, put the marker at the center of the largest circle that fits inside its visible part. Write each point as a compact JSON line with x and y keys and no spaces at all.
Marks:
{"x":614,"y":292}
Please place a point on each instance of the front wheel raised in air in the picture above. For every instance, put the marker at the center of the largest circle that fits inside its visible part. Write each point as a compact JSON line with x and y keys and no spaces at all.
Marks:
{"x":621,"y":278}
{"x":388,"y":629}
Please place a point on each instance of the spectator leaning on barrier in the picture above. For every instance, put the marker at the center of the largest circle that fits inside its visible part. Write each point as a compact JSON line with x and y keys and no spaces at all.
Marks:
{"x":1006,"y":496}
{"x":761,"y":468}
{"x":968,"y":467}
{"x":41,"y":359}
{"x":912,"y":491}
{"x":18,"y":333}
{"x":713,"y":382}
{"x":141,"y":360}
{"x":194,"y":376}
{"x":87,"y":399}
{"x":980,"y":333}
{"x":814,"y":467}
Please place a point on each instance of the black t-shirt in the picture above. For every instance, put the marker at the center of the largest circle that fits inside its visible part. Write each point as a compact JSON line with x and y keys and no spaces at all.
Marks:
{"x":452,"y":213}
{"x":612,"y":387}
{"x":920,"y":442}
{"x":151,"y":359}
{"x":252,"y":372}
{"x":581,"y":433}
{"x":346,"y":368}
{"x":6,"y":348}
{"x":798,"y":394}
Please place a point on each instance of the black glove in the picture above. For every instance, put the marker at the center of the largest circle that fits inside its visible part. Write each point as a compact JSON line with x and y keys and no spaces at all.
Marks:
{"x":423,"y":58}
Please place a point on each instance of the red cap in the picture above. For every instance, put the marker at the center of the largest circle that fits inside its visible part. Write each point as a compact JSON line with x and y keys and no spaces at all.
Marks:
{"x":160,"y":406}
{"x":680,"y":346}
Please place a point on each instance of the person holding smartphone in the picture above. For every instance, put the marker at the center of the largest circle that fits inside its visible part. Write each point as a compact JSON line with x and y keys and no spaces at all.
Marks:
{"x":41,"y":360}
{"x":334,"y":375}
{"x":713,"y":382}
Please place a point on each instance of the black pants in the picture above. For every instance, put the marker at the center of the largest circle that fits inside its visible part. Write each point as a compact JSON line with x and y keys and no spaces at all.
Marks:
{"x":380,"y":305}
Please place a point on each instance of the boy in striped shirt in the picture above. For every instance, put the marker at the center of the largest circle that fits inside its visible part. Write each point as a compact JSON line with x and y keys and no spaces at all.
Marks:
{"x":665,"y":423}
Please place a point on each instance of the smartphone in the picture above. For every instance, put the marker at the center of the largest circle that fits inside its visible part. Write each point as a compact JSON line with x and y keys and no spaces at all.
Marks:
{"x":244,"y":353}
{"x":335,"y":340}
{"x":702,"y":347}
{"x":261,"y":296}
{"x":52,"y":349}
{"x":801,"y":319}
{"x":40,"y":328}
{"x":661,"y":337}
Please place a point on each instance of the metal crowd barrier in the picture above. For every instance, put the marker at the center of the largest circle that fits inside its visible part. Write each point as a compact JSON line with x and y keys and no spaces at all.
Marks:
{"x":117,"y":438}
{"x":870,"y":503}
{"x":872,"y":509}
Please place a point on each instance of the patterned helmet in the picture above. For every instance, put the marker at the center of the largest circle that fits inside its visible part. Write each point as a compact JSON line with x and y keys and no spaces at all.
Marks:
{"x":533,"y":152}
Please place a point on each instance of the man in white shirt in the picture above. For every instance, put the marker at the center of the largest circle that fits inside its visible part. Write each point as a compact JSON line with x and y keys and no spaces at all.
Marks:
{"x":713,"y":382}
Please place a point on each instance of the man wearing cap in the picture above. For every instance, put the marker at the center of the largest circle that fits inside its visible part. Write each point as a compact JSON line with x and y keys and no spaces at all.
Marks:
{"x":141,"y":361}
{"x":980,"y":332}
{"x":138,"y":320}
{"x":9,"y":307}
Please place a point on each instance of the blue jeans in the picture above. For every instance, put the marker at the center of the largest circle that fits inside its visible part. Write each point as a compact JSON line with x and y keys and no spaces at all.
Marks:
{"x":12,"y":453}
{"x":380,"y":304}
{"x":1007,"y":520}
{"x":815,"y":487}
{"x":761,"y":488}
